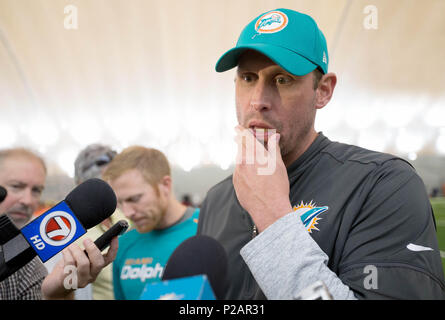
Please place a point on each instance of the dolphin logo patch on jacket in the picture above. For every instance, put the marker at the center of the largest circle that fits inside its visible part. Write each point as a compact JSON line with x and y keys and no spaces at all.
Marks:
{"x":309,"y":214}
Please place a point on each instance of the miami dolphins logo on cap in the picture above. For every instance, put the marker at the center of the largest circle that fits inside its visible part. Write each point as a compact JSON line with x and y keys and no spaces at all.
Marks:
{"x":271,"y":22}
{"x":309,"y":214}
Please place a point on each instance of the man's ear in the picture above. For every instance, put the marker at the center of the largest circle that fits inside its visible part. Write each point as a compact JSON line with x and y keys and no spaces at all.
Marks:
{"x":165,"y":186}
{"x":325,"y":89}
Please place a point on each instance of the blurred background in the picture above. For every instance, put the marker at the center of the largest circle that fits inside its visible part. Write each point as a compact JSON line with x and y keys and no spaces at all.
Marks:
{"x":124,"y":72}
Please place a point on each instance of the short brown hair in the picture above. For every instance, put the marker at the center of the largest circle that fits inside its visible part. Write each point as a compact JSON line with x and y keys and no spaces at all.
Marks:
{"x":152,"y":164}
{"x":21,"y":152}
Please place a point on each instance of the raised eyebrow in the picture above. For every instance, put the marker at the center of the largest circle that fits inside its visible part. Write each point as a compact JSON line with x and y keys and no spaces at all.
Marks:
{"x":283,"y":72}
{"x":241,"y":70}
{"x":241,"y":74}
{"x":289,"y":75}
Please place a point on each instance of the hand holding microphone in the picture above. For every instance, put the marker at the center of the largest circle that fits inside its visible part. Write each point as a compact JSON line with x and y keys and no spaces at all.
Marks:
{"x":88,"y":263}
{"x":86,"y":206}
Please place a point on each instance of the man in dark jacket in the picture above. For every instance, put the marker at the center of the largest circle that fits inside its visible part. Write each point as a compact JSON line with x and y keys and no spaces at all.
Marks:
{"x":358,"y":220}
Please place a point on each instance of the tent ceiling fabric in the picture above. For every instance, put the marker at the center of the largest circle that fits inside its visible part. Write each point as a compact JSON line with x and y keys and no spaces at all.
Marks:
{"x":142,"y":72}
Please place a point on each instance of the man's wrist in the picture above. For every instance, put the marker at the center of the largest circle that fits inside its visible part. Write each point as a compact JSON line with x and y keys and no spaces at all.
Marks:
{"x":55,"y":290}
{"x":273,"y":214}
{"x":67,"y":295}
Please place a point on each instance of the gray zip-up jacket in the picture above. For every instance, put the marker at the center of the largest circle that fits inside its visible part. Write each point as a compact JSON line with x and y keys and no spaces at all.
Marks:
{"x":369,"y":230}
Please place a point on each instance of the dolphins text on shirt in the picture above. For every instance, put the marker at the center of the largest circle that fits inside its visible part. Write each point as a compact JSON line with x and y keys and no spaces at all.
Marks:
{"x":143,"y":272}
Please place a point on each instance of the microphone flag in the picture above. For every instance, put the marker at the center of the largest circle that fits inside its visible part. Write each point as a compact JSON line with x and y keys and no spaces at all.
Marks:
{"x":187,"y":288}
{"x":53,"y":230}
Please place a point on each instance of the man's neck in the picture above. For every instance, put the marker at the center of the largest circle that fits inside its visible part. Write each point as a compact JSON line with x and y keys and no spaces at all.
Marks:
{"x":291,"y":157}
{"x":173,"y":214}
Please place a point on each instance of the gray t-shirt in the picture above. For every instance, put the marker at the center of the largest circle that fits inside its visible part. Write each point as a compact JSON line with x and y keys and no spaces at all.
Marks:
{"x":362,"y":208}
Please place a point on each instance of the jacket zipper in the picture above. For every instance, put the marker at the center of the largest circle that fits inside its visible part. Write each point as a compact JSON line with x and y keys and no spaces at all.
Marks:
{"x":254,"y":231}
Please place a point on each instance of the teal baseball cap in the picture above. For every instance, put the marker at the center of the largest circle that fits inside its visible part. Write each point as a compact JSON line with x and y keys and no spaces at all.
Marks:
{"x":289,"y":38}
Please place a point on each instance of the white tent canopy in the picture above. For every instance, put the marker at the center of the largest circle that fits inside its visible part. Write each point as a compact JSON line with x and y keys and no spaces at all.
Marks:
{"x":125,"y":72}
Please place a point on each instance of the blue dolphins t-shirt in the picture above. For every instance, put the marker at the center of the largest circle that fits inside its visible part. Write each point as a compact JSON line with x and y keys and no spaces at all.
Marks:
{"x":141,"y":257}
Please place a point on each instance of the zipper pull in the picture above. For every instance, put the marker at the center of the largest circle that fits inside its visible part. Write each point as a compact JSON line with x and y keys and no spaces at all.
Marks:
{"x":254,"y":231}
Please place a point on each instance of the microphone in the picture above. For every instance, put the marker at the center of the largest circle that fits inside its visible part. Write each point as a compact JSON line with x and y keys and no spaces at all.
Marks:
{"x":199,"y":264}
{"x":3,"y":194}
{"x":84,"y":207}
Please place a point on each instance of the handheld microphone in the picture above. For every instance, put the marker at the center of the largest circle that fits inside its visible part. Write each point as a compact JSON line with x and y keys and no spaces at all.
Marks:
{"x":117,"y":229}
{"x":84,"y":207}
{"x":3,"y":194}
{"x":185,"y":275}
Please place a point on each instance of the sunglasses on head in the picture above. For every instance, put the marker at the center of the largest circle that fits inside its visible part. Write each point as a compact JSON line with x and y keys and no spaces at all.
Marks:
{"x":102,"y":160}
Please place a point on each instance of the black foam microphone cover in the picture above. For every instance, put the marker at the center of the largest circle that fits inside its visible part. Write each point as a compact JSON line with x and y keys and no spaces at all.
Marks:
{"x":3,"y":193}
{"x":199,"y":255}
{"x":92,"y":202}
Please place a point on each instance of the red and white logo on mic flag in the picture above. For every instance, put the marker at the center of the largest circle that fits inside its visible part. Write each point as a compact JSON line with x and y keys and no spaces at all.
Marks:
{"x":57,"y":228}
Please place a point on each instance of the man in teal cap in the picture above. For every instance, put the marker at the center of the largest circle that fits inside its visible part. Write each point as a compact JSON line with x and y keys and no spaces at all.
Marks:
{"x":357,"y":220}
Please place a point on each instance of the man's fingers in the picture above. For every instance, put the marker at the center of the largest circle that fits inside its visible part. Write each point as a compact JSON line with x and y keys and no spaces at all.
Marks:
{"x":253,"y":151}
{"x":112,"y":251}
{"x":68,"y":258}
{"x":87,"y":265}
{"x":96,"y":260}
{"x":247,"y":146}
{"x":240,"y":139}
{"x":83,"y":265}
